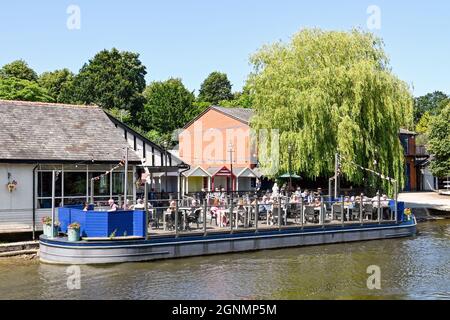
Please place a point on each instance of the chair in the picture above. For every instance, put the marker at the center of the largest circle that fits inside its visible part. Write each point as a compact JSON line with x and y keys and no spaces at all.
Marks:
{"x":355,"y":210}
{"x":310,"y":214}
{"x":368,"y":211}
{"x":194,"y":217}
{"x":171,"y":221}
{"x":337,"y":212}
{"x":213,"y":217}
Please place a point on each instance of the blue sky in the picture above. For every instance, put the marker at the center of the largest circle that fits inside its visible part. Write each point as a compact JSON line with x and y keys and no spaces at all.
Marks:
{"x":190,"y":38}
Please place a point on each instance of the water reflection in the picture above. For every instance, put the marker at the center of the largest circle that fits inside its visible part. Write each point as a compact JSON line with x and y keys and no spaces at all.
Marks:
{"x":410,"y":268}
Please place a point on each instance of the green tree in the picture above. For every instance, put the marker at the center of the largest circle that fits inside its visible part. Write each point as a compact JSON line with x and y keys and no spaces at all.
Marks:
{"x":18,"y":69}
{"x":24,"y":90}
{"x":240,"y":100}
{"x":57,"y":83}
{"x":112,"y":79}
{"x":169,"y":106}
{"x":432,"y":103}
{"x":423,"y":125}
{"x":215,"y":88}
{"x":439,"y":145}
{"x":329,"y":92}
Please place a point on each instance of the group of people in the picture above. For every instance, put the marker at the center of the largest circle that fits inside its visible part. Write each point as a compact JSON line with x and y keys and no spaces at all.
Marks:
{"x":114,"y":207}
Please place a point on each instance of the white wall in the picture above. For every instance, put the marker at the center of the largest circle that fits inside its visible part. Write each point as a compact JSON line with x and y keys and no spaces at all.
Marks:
{"x":16,"y":208}
{"x":428,"y":180}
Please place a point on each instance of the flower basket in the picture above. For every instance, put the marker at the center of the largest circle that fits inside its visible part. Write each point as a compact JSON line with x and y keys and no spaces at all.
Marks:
{"x":73,"y":232}
{"x":12,"y":186}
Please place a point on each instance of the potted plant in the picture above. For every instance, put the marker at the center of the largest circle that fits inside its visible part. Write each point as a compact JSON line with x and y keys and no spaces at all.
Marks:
{"x":408,"y":213}
{"x":47,"y":227}
{"x":73,"y":232}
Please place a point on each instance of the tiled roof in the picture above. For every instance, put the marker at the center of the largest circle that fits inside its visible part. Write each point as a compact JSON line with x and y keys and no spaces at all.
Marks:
{"x":242,"y":114}
{"x":405,"y":131}
{"x":32,"y":131}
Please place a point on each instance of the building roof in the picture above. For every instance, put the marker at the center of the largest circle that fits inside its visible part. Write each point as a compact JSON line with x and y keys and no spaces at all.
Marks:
{"x":48,"y":132}
{"x":241,"y":114}
{"x":405,"y":131}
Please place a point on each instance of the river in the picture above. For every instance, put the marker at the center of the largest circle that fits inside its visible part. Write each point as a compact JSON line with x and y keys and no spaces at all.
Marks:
{"x":411,"y":268}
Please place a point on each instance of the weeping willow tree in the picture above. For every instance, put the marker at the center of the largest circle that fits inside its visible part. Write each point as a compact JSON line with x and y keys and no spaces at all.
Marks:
{"x":329,"y":92}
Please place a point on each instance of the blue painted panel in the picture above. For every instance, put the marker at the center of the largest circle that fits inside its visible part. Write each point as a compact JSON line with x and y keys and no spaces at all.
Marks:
{"x":103,"y":224}
{"x":78,"y":215}
{"x":97,"y":224}
{"x":121,"y":223}
{"x":64,"y":217}
{"x":400,"y":209}
{"x":139,"y":223}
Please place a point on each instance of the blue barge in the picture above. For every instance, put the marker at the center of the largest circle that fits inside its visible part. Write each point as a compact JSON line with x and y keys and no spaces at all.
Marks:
{"x":106,"y":251}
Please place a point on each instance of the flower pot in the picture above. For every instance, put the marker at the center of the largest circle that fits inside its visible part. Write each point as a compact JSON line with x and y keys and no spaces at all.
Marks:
{"x":73,"y":235}
{"x":48,"y":230}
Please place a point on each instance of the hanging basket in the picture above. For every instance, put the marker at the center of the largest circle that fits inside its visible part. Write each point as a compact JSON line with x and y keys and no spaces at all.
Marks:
{"x":12,"y":186}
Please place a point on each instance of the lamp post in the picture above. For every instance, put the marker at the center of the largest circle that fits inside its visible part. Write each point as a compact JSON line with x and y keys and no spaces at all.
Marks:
{"x":125,"y":206}
{"x":290,"y":169}
{"x":230,"y":150}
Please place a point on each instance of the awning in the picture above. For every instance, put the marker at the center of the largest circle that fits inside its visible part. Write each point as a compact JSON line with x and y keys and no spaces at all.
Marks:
{"x":245,"y":173}
{"x":197,"y":172}
{"x":219,"y":172}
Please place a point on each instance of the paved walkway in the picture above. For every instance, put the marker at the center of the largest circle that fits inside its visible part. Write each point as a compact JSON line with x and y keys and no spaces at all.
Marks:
{"x":429,"y":200}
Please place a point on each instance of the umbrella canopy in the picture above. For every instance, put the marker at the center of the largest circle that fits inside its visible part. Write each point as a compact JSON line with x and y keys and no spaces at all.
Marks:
{"x":290,"y":175}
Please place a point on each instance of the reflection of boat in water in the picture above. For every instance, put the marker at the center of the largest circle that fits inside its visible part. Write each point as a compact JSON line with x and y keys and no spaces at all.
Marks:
{"x":102,"y":250}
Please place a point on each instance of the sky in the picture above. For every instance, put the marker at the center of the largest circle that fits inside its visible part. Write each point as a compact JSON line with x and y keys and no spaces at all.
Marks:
{"x":189,"y":39}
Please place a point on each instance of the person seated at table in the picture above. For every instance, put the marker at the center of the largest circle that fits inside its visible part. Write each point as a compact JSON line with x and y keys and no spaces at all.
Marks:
{"x":86,"y":207}
{"x":384,"y":201}
{"x":139,"y":205}
{"x":298,"y":192}
{"x":126,"y":204}
{"x":112,"y":206}
{"x":308,"y":197}
{"x":319,"y":192}
{"x":295,"y":198}
{"x":317,"y":203}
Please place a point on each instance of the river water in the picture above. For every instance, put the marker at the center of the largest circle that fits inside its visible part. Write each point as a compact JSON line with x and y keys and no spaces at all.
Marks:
{"x":411,"y":268}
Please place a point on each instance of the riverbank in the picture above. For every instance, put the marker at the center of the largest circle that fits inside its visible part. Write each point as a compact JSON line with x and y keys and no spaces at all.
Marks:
{"x":28,"y":249}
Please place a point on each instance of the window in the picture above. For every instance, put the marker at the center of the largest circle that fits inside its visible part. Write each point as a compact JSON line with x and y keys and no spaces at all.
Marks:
{"x":45,"y":184}
{"x":76,"y":187}
{"x":75,"y":184}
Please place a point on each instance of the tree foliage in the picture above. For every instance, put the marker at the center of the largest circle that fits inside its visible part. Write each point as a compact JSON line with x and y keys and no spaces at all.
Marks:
{"x":57,"y":84}
{"x":112,"y":79}
{"x":432,"y":103}
{"x":215,"y":88}
{"x":329,"y":92}
{"x":24,"y":90}
{"x":18,"y":69}
{"x":439,"y":145}
{"x":169,"y":106}
{"x":240,"y":100}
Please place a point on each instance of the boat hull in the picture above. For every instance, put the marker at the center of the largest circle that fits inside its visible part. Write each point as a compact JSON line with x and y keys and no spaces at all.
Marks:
{"x":60,"y":251}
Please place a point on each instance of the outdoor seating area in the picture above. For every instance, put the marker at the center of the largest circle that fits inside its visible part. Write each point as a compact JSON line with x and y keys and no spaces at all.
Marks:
{"x":227,"y":212}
